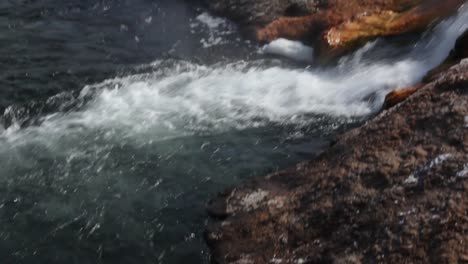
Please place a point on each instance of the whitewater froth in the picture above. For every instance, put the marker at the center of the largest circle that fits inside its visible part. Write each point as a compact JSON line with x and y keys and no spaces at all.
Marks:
{"x":187,"y":97}
{"x":123,"y":168}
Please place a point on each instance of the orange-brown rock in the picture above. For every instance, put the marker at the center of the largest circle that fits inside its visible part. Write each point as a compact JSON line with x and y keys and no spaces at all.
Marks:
{"x":344,"y":25}
{"x":359,"y":30}
{"x":398,"y":96}
{"x":332,"y":14}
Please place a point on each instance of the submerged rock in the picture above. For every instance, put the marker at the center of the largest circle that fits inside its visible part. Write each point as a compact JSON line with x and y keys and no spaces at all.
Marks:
{"x":387,"y":192}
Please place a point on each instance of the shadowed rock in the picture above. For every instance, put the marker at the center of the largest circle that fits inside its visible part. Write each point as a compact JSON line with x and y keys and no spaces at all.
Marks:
{"x":459,"y":52}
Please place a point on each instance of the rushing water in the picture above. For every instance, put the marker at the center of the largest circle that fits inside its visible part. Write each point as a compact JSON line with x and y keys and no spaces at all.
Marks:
{"x":122,"y":118}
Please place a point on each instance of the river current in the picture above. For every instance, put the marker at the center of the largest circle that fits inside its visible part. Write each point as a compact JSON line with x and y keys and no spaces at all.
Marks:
{"x":122,"y":118}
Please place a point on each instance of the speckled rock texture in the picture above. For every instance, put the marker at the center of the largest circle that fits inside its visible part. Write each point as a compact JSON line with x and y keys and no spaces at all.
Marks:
{"x":392,"y":191}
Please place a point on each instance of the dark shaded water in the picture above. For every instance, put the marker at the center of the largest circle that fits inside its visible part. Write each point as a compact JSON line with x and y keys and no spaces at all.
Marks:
{"x":122,"y":118}
{"x":48,"y":46}
{"x":81,"y":196}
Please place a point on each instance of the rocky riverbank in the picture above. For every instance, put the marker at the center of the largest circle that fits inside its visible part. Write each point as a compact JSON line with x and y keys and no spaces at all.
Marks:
{"x":333,"y":26}
{"x":394,"y":190}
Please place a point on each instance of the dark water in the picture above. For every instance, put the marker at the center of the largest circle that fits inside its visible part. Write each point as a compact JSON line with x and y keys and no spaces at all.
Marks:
{"x":76,"y":194}
{"x":48,"y":46}
{"x":122,"y":118}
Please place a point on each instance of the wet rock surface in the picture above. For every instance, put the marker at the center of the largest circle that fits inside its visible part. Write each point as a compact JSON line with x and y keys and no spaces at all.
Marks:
{"x":334,"y":26}
{"x":458,"y":53}
{"x":397,"y":96}
{"x":394,"y":191}
{"x":387,"y":22}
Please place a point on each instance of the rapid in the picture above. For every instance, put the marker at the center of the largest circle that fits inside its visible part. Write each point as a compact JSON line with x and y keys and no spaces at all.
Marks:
{"x":119,"y":169}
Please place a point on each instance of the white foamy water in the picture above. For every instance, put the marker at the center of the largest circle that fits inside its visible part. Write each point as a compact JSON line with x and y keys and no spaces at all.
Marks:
{"x":210,"y":21}
{"x":187,"y":98}
{"x":123,"y":173}
{"x":290,"y":49}
{"x":217,"y":29}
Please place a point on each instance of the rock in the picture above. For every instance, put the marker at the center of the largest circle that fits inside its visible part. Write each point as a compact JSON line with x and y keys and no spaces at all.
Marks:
{"x":387,"y":192}
{"x":333,"y":13}
{"x":335,"y":26}
{"x":459,"y":52}
{"x":359,"y":30}
{"x":397,"y":96}
{"x":461,"y":48}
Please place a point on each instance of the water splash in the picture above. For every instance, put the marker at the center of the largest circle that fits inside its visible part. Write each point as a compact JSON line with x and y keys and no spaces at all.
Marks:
{"x":186,"y":98}
{"x":118,"y":167}
{"x":294,"y":50}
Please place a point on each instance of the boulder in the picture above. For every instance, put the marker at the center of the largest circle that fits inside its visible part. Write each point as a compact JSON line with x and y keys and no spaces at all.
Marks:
{"x":335,"y":26}
{"x":392,"y":191}
{"x":331,"y":14}
{"x":359,"y":30}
